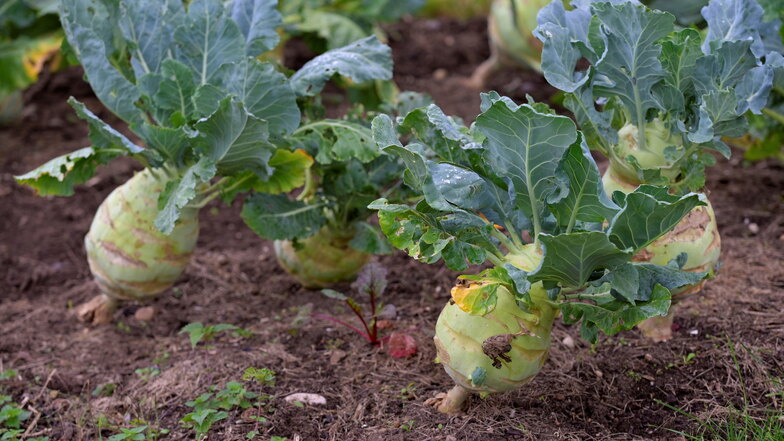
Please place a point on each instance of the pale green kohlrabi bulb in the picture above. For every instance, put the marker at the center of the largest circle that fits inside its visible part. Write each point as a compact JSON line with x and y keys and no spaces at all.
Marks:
{"x":321,"y":260}
{"x":129,"y":258}
{"x":495,"y":352}
{"x":662,"y":147}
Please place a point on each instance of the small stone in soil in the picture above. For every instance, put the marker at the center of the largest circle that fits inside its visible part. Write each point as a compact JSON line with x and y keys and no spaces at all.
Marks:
{"x":144,"y":314}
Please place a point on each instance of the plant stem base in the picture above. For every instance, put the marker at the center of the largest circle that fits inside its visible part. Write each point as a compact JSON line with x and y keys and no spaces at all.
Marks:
{"x":450,"y":403}
{"x":658,"y":328}
{"x":98,"y":311}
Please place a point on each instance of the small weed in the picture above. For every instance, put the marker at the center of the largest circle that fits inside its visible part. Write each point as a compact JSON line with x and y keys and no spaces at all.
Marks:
{"x":408,"y":393}
{"x":634,"y":375}
{"x":197,"y":332}
{"x":11,"y":418}
{"x":263,"y":377}
{"x":133,"y":434}
{"x":213,"y":406}
{"x":122,"y":326}
{"x":408,"y":425}
{"x":148,"y":373}
{"x":8,"y":374}
{"x":104,"y":390}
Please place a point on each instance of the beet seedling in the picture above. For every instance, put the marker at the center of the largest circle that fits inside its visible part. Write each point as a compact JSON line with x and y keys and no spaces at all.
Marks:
{"x":371,"y":283}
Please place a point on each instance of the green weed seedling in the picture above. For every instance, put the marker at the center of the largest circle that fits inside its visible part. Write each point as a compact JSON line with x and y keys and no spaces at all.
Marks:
{"x":213,"y":406}
{"x":11,"y":418}
{"x":197,"y":332}
{"x":104,"y":390}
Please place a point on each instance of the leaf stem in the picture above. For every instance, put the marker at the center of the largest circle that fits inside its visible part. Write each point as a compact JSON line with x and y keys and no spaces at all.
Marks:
{"x":514,"y":234}
{"x":511,"y":247}
{"x":773,"y":114}
{"x":341,"y":322}
{"x":310,"y":185}
{"x":216,"y":190}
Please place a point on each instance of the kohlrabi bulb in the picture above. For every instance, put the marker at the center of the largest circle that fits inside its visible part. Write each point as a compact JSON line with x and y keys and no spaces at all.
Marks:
{"x":321,"y":260}
{"x":498,"y":351}
{"x":128,"y":257}
{"x":661,"y":150}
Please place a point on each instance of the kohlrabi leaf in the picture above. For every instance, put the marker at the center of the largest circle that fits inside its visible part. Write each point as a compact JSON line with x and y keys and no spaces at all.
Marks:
{"x":235,"y":141}
{"x":288,"y":172}
{"x":60,"y":175}
{"x":102,"y":135}
{"x":339,"y":140}
{"x":526,"y":147}
{"x":570,"y":259}
{"x":258,"y":20}
{"x":207,"y":40}
{"x":668,"y":276}
{"x":679,"y":54}
{"x":89,"y":27}
{"x":559,"y":29}
{"x":733,"y":20}
{"x":364,"y":60}
{"x":419,"y":230}
{"x":612,"y":316}
{"x":179,"y":193}
{"x":630,"y":65}
{"x":440,"y":133}
{"x":646,"y":215}
{"x":369,"y":239}
{"x":265,"y":93}
{"x":171,"y":144}
{"x":175,"y":91}
{"x":596,"y":126}
{"x":277,"y":217}
{"x":586,"y":200}
{"x":145,"y":25}
{"x":338,"y":30}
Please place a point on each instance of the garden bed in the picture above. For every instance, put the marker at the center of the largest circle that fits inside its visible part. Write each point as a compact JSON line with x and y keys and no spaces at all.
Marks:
{"x":616,"y":390}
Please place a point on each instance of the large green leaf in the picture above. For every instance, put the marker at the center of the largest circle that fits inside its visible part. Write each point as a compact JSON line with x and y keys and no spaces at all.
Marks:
{"x":277,"y":217}
{"x":339,"y":140}
{"x":258,"y":20}
{"x":570,"y":259}
{"x":235,"y":141}
{"x":207,"y":40}
{"x":733,"y":20}
{"x":179,"y":193}
{"x":337,"y":29}
{"x":88,"y":26}
{"x":265,"y":93}
{"x":635,"y":281}
{"x":611,"y":316}
{"x":646,"y":214}
{"x":526,"y":147}
{"x":631,"y":62}
{"x":146,"y":26}
{"x":369,"y":239}
{"x":586,"y":200}
{"x":59,"y":175}
{"x":421,"y":232}
{"x":364,"y":60}
{"x":386,"y":138}
{"x":175,"y":90}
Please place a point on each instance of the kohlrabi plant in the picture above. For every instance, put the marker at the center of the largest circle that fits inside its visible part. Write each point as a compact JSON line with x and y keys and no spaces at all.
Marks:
{"x":30,"y":39}
{"x":510,"y":26}
{"x":520,"y":191}
{"x":213,"y":120}
{"x":328,"y":24}
{"x":656,"y":99}
{"x":324,"y":236}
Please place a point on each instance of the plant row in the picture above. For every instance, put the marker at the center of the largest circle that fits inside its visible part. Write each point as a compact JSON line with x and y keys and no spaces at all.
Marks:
{"x":517,"y":191}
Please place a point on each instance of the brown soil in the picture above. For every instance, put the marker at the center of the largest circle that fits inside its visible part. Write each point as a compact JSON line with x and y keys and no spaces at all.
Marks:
{"x":613,"y":391}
